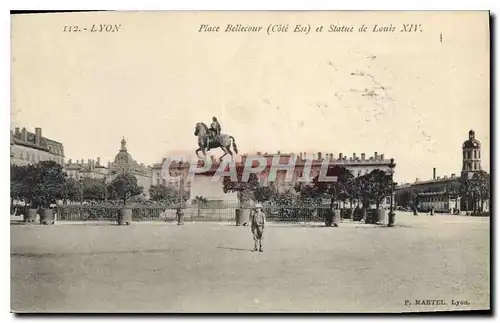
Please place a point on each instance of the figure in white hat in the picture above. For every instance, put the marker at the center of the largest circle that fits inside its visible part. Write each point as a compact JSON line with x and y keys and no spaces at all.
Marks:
{"x":258,"y":223}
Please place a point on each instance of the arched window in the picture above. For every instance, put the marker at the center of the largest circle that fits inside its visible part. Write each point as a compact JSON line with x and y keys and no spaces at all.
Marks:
{"x":469,"y":155}
{"x":465,"y":155}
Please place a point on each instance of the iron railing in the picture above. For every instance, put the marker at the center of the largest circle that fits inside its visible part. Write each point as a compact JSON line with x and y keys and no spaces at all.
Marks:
{"x":227,"y":213}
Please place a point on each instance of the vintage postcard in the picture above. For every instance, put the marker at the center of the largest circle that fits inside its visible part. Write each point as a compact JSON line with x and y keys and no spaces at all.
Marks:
{"x":250,"y":162}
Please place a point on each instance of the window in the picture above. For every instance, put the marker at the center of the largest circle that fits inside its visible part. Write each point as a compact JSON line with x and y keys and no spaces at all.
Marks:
{"x":469,"y":154}
{"x":475,"y":154}
{"x":157,"y":181}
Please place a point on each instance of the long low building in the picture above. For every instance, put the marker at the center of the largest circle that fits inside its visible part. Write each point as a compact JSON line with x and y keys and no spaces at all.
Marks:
{"x":442,"y":193}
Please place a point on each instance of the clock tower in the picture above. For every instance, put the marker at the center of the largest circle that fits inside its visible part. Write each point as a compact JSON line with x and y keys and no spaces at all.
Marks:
{"x":471,"y":158}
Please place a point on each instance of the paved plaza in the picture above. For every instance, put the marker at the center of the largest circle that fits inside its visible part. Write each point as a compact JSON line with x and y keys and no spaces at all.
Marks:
{"x":209,"y":267}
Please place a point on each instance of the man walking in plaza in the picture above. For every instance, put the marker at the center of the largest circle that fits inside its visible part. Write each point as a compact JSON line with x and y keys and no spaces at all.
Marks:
{"x":258,"y":223}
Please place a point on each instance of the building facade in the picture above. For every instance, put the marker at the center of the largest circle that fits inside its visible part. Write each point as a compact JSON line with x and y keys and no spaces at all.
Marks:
{"x":30,"y":148}
{"x":123,"y":163}
{"x":91,"y":169}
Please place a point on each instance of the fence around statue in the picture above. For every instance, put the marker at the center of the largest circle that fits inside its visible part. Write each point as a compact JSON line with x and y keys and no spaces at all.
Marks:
{"x":226,"y":213}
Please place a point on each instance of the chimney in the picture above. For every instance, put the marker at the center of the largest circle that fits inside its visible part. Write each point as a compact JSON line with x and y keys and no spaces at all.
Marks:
{"x":319,"y":156}
{"x":82,"y":161}
{"x":438,"y":178}
{"x":453,"y":175}
{"x":279,"y":153}
{"x":381,"y":156}
{"x":434,"y":173}
{"x":17,"y":133}
{"x":258,"y":153}
{"x":24,"y":135}
{"x":340,"y":155}
{"x":416,"y":180}
{"x":363,"y":156}
{"x":376,"y":155}
{"x":98,"y":161}
{"x":354,"y":156}
{"x":445,"y":176}
{"x":331,"y":157}
{"x":69,"y":161}
{"x":38,"y":136}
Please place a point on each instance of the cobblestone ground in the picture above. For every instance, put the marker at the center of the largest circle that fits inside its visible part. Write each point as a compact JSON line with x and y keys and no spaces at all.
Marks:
{"x":209,"y":267}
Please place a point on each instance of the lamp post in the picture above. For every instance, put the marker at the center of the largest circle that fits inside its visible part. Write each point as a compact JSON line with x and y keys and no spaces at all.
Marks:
{"x":180,"y":210}
{"x":391,"y":212}
{"x":81,"y":190}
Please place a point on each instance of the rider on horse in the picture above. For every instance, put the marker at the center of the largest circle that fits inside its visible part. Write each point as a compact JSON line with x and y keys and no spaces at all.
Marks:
{"x":214,"y":131}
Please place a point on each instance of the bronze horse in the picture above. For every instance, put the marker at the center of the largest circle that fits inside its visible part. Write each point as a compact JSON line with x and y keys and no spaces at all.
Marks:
{"x":224,"y":141}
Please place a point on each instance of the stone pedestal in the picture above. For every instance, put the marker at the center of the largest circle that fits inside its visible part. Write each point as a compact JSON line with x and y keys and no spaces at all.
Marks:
{"x":242,"y":216}
{"x":336,"y":218}
{"x":125,"y":216}
{"x":46,"y":216}
{"x":30,"y":215}
{"x":380,"y":216}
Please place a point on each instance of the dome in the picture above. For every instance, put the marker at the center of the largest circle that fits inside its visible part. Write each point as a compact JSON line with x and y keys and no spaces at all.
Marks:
{"x":472,"y":142}
{"x":123,"y":156}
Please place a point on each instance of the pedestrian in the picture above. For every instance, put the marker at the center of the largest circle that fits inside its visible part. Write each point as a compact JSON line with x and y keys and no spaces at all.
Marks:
{"x":258,"y":224}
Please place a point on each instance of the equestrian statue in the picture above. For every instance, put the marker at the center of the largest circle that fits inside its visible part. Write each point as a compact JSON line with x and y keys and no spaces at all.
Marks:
{"x":212,"y":137}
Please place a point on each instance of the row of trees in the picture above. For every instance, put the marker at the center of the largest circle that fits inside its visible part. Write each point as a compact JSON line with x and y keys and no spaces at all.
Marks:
{"x":364,"y":190}
{"x":44,"y":183}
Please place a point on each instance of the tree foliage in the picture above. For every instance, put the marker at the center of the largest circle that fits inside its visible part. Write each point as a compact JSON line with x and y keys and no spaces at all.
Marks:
{"x":480,"y":185}
{"x":341,"y":190}
{"x":48,"y":181}
{"x":71,"y":190}
{"x":21,"y":180}
{"x":244,"y":189}
{"x":373,"y":187}
{"x":125,"y":186}
{"x":162,"y":193}
{"x":93,"y":189}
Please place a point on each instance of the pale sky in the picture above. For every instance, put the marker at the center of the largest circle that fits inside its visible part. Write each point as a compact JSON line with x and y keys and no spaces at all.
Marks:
{"x":151,"y":81}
